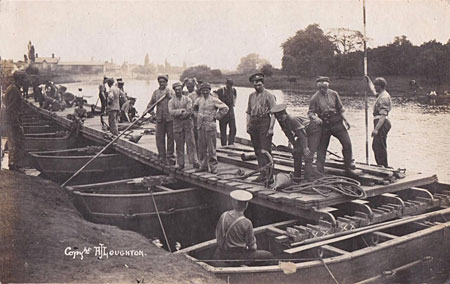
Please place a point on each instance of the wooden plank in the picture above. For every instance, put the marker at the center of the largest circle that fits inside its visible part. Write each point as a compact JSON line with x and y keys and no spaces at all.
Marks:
{"x":335,"y":250}
{"x":385,"y":235}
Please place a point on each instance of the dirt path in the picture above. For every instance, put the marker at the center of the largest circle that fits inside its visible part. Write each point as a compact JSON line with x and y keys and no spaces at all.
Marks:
{"x":40,"y":230}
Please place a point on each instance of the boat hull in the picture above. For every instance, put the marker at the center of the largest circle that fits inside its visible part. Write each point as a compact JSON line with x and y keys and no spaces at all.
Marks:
{"x":136,"y":211}
{"x":40,"y":129}
{"x":45,"y":143}
{"x":105,"y":167}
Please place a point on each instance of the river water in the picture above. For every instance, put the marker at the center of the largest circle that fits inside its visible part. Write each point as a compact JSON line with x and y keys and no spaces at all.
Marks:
{"x":418,"y":140}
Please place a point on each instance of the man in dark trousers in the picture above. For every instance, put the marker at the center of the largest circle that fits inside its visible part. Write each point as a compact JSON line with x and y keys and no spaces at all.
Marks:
{"x":326,"y":109}
{"x":381,"y":122}
{"x":103,"y":95}
{"x":164,"y":121}
{"x":13,"y":108}
{"x":113,"y":107}
{"x":234,"y":232}
{"x":260,"y":122}
{"x":304,"y":135}
{"x":227,"y":95}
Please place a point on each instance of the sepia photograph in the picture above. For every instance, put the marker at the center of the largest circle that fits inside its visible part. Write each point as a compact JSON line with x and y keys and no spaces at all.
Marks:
{"x":208,"y":141}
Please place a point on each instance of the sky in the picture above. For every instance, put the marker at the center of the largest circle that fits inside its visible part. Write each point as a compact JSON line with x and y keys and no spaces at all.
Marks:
{"x":215,"y":33}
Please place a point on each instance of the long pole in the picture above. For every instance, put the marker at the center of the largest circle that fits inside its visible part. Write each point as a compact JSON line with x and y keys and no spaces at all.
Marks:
{"x":114,"y":140}
{"x":1,"y":96}
{"x":365,"y":91}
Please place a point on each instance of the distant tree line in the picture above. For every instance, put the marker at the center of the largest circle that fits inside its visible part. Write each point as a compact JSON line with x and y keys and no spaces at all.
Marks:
{"x":200,"y":72}
{"x":311,"y":52}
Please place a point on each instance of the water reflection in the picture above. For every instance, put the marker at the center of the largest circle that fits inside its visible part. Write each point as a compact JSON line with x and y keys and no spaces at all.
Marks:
{"x":418,"y":139}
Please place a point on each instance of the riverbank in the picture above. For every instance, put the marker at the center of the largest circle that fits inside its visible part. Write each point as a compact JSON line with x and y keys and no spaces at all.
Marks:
{"x":398,"y":86}
{"x":44,"y":239}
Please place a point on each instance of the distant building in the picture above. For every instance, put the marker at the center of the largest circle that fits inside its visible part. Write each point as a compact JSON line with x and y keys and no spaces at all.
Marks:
{"x":46,"y":63}
{"x":89,"y":67}
{"x":8,"y":67}
{"x":112,"y":68}
{"x":53,"y":64}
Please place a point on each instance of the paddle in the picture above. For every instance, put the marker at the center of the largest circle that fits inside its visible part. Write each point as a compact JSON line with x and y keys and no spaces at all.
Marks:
{"x":114,"y":140}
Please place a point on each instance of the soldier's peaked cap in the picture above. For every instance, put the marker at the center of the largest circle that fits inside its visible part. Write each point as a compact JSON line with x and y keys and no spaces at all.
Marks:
{"x":241,"y":195}
{"x":256,"y":77}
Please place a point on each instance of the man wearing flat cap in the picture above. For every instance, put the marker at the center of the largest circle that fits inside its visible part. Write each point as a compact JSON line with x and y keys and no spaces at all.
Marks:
{"x":260,"y":122}
{"x":326,"y":109}
{"x":180,"y":108}
{"x":113,"y":108}
{"x":304,"y":135}
{"x":13,"y":108}
{"x":164,"y":121}
{"x":208,"y":110}
{"x":123,"y":95}
{"x":381,"y":122}
{"x":227,"y":95}
{"x":234,"y":232}
{"x":103,"y":95}
{"x":193,"y":93}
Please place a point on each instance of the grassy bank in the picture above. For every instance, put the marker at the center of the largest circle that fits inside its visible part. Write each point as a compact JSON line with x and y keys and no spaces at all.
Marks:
{"x":347,"y":86}
{"x":39,"y":229}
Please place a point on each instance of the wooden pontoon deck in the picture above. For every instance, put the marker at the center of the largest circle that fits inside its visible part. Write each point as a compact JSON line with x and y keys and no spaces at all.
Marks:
{"x":302,"y":205}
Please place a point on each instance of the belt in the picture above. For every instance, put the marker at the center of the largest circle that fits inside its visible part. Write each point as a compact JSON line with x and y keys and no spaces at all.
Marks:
{"x":260,"y":116}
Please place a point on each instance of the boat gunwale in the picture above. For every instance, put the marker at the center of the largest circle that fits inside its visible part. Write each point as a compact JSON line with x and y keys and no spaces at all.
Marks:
{"x":138,"y":180}
{"x":133,"y":195}
{"x":309,"y":264}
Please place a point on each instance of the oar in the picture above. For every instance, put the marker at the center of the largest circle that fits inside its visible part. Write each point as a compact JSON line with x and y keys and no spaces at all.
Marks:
{"x":114,"y":140}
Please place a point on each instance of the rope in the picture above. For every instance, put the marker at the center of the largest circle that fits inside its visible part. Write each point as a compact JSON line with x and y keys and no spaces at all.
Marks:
{"x":329,"y":271}
{"x":327,"y":184}
{"x":160,"y":222}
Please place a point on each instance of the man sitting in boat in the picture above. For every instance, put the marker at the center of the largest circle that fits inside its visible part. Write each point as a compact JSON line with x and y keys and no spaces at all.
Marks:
{"x":79,"y":116}
{"x":234,"y":233}
{"x":304,"y":135}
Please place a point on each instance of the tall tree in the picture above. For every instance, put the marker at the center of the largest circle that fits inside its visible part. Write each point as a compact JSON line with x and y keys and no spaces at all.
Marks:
{"x":346,"y":40}
{"x":251,"y":63}
{"x":312,"y":49}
